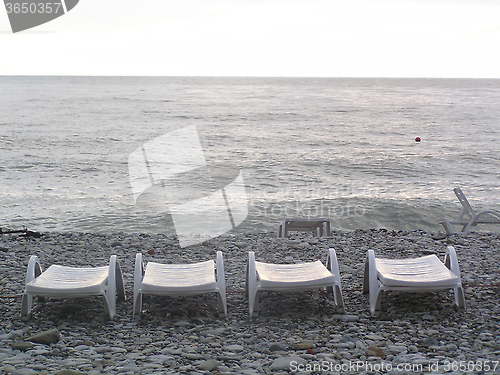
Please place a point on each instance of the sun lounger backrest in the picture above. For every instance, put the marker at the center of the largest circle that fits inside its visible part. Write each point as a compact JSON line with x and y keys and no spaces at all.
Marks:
{"x":466,"y":207}
{"x":467,"y":217}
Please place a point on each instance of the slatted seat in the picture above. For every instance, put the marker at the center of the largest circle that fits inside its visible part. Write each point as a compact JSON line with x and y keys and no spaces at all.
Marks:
{"x":424,"y":274}
{"x":73,"y":282}
{"x":427,"y":271}
{"x":179,"y":280}
{"x":292,"y":278}
{"x":297,"y":276}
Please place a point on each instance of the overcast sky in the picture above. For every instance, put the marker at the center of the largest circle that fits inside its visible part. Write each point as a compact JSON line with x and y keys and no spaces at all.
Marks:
{"x":309,"y":38}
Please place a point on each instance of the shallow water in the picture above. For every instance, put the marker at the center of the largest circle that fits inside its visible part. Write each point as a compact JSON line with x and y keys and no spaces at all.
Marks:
{"x":341,"y":148}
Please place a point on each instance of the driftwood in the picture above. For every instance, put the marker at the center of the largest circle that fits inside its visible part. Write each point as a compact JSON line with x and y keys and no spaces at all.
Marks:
{"x":23,"y":232}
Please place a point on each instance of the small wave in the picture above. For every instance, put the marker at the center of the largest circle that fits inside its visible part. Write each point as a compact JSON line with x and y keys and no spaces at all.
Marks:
{"x":90,"y":169}
{"x":151,"y":111}
{"x":23,"y":167}
{"x":188,"y":117}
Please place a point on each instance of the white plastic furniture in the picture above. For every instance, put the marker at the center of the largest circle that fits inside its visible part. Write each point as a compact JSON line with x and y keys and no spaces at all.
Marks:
{"x":424,"y":274}
{"x":467,"y":217}
{"x":292,"y":278}
{"x":320,"y":226}
{"x":179,"y":280}
{"x":73,"y":282}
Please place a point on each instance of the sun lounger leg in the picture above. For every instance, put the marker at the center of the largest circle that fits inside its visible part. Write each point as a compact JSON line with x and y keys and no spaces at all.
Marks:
{"x":109,"y":313}
{"x":476,"y":219}
{"x":375,"y":302}
{"x":137,"y":305}
{"x":371,"y":284}
{"x":447,"y":226}
{"x":254,"y":304}
{"x":253,"y":295}
{"x":222,"y":305}
{"x":34,"y":270}
{"x":333,"y":266}
{"x":110,"y":293}
{"x":138,"y":275}
{"x":459,"y":298}
{"x":451,"y":261}
{"x":366,"y":277}
{"x":26,"y":305}
{"x":120,"y":285}
{"x":339,"y":301}
{"x":466,"y":228}
{"x":221,"y":282}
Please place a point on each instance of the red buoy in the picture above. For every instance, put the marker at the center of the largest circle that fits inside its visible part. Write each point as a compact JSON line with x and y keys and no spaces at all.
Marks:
{"x":417,"y":139}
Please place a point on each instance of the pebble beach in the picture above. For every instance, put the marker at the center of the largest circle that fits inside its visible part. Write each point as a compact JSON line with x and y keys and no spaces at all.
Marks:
{"x":299,"y":333}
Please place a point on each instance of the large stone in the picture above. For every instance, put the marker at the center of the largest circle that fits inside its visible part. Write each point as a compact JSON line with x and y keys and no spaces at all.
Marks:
{"x":430,"y":341}
{"x":208,"y":365}
{"x":374,"y":351}
{"x":213,"y":332}
{"x":25,"y":371}
{"x":67,"y":372}
{"x":303,"y":345}
{"x":21,"y":345}
{"x":48,"y":337}
{"x":161,"y":358}
{"x":428,"y":317}
{"x":192,"y":356}
{"x":439,"y":236}
{"x":350,"y":318}
{"x":376,"y":337}
{"x":287,"y":363}
{"x":277,"y":347}
{"x":234,"y":348}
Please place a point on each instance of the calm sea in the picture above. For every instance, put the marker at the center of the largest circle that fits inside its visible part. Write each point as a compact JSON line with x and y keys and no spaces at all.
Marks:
{"x":338,"y":148}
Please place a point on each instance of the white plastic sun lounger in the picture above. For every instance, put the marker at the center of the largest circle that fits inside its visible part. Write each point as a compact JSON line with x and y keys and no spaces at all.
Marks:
{"x":72,"y":282}
{"x":467,"y":217}
{"x":424,"y":274}
{"x":179,"y":280}
{"x":292,"y":278}
{"x":320,"y":226}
